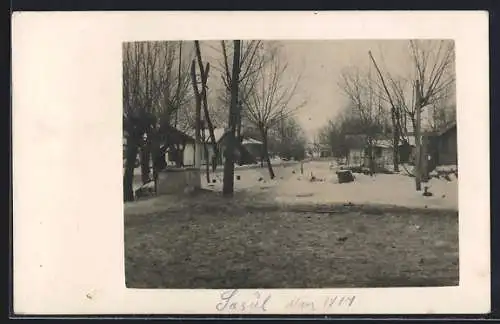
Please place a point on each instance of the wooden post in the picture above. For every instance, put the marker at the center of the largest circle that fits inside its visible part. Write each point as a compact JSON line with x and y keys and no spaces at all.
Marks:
{"x":418,"y":157}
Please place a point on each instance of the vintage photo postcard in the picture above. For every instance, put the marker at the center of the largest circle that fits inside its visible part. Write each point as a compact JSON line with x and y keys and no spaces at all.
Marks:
{"x":251,"y":163}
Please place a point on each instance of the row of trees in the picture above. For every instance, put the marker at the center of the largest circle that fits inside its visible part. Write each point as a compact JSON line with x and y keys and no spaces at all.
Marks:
{"x":372,"y":96}
{"x":164,"y":81}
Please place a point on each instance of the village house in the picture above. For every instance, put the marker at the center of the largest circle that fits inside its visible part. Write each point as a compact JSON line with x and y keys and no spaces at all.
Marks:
{"x":438,"y":148}
{"x":441,"y":147}
{"x":447,"y":145}
{"x":248,"y":151}
{"x":179,"y":141}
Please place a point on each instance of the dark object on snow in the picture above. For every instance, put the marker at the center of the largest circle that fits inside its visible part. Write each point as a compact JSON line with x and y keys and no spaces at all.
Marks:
{"x":144,"y":191}
{"x":293,"y":171}
{"x":349,"y":204}
{"x":447,"y":177}
{"x":427,"y":193}
{"x":238,"y":177}
{"x":342,"y":239}
{"x":443,"y":196}
{"x":345,"y":176}
{"x":260,"y":179}
{"x":354,"y":169}
{"x":214,"y":181}
{"x":281,"y":178}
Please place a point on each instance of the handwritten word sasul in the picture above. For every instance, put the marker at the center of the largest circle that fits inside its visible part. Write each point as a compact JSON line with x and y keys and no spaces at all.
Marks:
{"x":236,"y":301}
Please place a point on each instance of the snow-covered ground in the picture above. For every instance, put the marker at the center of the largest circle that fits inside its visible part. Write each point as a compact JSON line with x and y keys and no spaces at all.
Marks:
{"x":291,"y":187}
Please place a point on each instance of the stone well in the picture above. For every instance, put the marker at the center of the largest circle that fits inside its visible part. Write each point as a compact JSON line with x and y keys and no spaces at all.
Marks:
{"x":176,"y":180}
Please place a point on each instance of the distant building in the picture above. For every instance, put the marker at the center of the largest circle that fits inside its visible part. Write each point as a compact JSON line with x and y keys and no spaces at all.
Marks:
{"x":358,"y":151}
{"x":442,"y":147}
{"x":248,"y":151}
{"x":447,"y":145}
{"x":438,"y":148}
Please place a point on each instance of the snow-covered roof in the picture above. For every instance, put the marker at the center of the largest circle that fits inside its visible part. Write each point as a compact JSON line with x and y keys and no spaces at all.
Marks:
{"x":250,"y":141}
{"x":411,"y":140}
{"x":218,"y":133}
{"x":383,"y":143}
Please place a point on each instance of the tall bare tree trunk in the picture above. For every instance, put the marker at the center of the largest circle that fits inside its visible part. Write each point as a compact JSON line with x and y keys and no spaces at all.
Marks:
{"x":425,"y":163}
{"x":418,"y":157}
{"x":155,"y":155}
{"x":177,"y":95}
{"x":146,"y":159}
{"x":128,"y":177}
{"x":205,"y":150}
{"x":197,"y":145}
{"x":204,"y":77}
{"x":394,"y":117}
{"x":395,"y":139}
{"x":371,"y":166}
{"x":263,"y":154}
{"x":228,"y":182}
{"x":266,"y":153}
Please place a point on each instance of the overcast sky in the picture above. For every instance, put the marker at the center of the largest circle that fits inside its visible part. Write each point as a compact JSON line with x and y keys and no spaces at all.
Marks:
{"x":321,"y":63}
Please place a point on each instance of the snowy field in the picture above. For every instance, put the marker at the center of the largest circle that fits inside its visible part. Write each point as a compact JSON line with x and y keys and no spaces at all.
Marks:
{"x":291,"y":187}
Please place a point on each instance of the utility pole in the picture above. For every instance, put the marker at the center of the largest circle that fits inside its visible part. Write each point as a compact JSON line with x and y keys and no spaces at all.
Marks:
{"x":418,"y":157}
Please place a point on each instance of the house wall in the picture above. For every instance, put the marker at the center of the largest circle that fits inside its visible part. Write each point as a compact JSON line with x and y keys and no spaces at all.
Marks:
{"x":189,"y":154}
{"x":382,"y":157}
{"x":406,"y":153}
{"x":386,"y":157}
{"x":355,"y":157}
{"x":447,"y":144}
{"x":177,"y":180}
{"x":325,"y":153}
{"x":255,"y":150}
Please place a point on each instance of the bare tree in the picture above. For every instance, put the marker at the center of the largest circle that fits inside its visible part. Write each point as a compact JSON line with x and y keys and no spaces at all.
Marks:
{"x":358,"y":88}
{"x":270,"y":100}
{"x":152,"y":92}
{"x":443,"y":113}
{"x":142,"y":91}
{"x":207,"y":120}
{"x":253,"y":57}
{"x":395,"y":117}
{"x":431,"y":82}
{"x":289,"y":139}
{"x":228,"y":181}
{"x":197,"y":121}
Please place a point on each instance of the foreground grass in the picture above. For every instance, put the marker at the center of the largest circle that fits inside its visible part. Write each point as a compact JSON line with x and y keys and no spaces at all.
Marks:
{"x":209,"y":242}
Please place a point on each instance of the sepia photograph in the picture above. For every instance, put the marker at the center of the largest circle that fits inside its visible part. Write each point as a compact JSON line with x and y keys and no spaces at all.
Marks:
{"x":253,"y":163}
{"x":290,"y":164}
